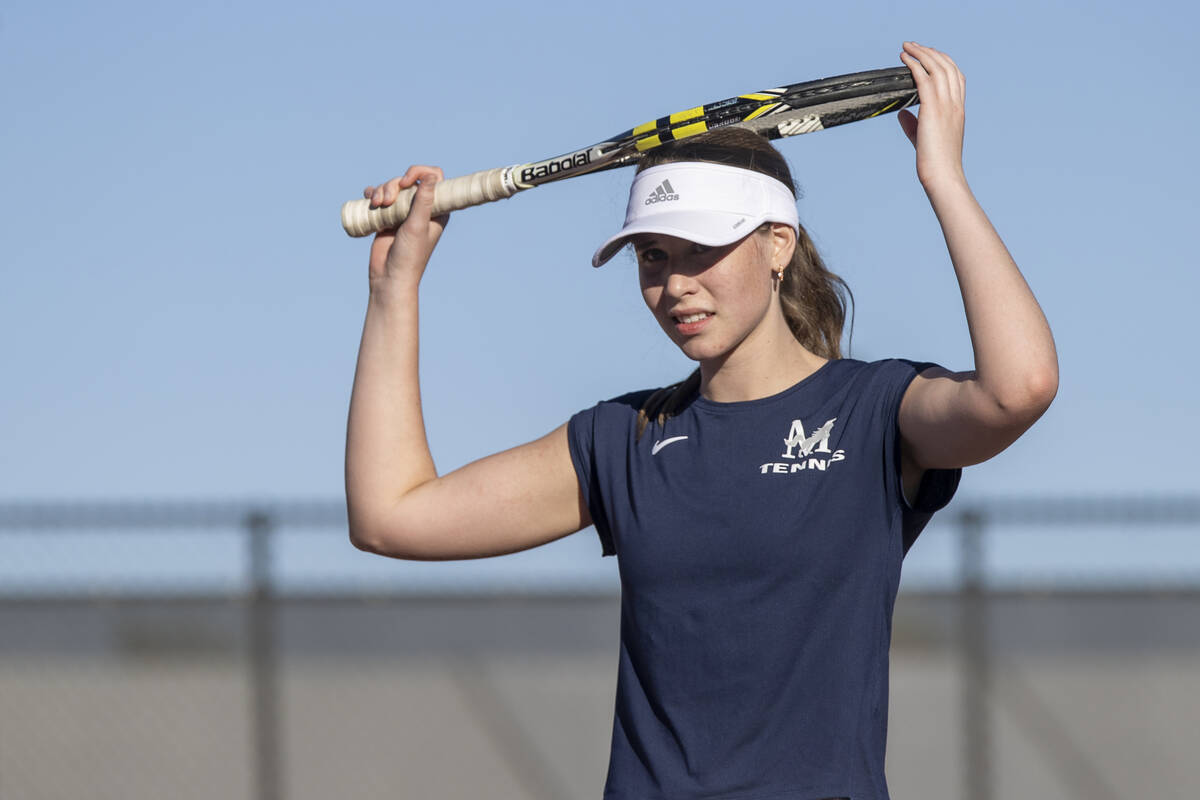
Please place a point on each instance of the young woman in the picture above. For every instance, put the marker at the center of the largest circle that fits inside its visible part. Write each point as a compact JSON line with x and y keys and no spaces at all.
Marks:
{"x":760,"y":509}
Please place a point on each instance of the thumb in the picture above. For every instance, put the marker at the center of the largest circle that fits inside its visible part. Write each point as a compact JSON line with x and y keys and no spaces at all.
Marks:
{"x":908,"y":123}
{"x":423,"y":199}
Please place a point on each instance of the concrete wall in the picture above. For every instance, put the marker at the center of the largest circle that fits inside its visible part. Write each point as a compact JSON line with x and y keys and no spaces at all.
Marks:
{"x":1091,"y":696}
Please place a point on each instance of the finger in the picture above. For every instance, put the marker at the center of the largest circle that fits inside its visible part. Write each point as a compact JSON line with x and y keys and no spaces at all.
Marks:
{"x":926,"y":85}
{"x":386,"y":193}
{"x":928,"y":57}
{"x":381,"y":195}
{"x":417,"y":172}
{"x":425,"y":191}
{"x":920,"y":76}
{"x":958,"y":81}
{"x":943,"y":59}
{"x":374,"y":195}
{"x":927,"y":53}
{"x":913,"y":49}
{"x":944,"y":71}
{"x":423,"y":175}
{"x":409,"y":177}
{"x":391,"y":190}
{"x":908,"y":54}
{"x":933,"y":64}
{"x":950,"y":78}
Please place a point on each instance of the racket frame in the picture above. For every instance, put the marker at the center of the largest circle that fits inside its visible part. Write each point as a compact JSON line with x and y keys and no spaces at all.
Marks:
{"x":774,"y":113}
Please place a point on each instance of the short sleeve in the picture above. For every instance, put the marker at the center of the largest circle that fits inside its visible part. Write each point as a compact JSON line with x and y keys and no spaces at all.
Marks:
{"x":937,"y":486}
{"x":581,"y":438}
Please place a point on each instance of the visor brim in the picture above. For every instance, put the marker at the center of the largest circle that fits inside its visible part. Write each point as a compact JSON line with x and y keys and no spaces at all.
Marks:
{"x":712,"y":229}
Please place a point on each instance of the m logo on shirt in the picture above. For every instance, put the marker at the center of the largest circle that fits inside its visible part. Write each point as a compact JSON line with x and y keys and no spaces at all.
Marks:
{"x":805,"y":451}
{"x":818,"y":442}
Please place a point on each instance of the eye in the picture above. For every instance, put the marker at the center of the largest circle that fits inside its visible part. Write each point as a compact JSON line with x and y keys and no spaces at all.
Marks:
{"x":652,"y":255}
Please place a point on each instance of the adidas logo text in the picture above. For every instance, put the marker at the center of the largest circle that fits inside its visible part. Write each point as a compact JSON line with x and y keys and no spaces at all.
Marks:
{"x":662,"y":193}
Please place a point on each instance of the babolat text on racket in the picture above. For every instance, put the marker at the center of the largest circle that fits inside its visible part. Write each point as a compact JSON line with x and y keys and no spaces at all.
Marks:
{"x":774,"y":113}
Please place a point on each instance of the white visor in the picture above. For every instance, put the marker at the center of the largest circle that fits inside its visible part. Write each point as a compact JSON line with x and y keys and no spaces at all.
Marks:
{"x":705,"y":203}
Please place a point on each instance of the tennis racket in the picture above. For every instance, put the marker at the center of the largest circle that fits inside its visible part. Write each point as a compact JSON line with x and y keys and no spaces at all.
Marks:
{"x":774,"y":113}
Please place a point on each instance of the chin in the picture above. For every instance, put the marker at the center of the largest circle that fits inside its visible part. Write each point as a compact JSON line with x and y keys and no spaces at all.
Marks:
{"x":700,"y":351}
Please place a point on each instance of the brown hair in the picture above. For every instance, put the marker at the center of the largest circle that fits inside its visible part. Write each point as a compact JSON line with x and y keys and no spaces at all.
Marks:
{"x":814,"y":300}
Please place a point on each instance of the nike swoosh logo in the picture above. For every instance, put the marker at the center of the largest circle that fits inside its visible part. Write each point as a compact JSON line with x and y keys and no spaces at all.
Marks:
{"x":661,"y":444}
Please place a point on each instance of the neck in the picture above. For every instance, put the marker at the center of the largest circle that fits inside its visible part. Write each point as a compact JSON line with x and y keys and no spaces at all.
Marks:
{"x":766,"y":362}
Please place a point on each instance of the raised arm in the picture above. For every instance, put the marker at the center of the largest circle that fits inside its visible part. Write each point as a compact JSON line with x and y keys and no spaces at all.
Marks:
{"x":398,"y":505}
{"x":956,"y":419}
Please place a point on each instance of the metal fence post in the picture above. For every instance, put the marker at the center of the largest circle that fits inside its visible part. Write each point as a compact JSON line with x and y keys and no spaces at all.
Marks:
{"x":263,"y":662}
{"x":976,"y":680}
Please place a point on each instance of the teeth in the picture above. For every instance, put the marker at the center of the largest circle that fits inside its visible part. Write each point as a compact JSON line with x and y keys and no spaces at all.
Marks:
{"x":693,"y":317}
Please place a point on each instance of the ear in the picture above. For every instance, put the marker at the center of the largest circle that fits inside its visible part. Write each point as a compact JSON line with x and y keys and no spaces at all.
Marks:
{"x":783,"y":245}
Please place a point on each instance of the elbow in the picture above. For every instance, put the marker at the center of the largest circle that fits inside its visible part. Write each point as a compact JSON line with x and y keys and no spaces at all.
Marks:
{"x":393,"y":536}
{"x":363,"y":540}
{"x":364,"y":537}
{"x":1022,"y":403}
{"x":376,"y":536}
{"x":1044,"y":387}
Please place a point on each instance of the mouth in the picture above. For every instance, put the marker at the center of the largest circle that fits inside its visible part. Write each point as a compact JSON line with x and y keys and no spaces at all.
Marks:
{"x":687,"y":319}
{"x":692,"y":323}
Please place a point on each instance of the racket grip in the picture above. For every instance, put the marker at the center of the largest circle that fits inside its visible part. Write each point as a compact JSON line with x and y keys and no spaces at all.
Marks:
{"x":360,"y":219}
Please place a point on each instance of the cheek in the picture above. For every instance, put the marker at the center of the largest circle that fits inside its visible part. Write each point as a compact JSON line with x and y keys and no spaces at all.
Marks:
{"x":757,"y":277}
{"x":651,"y":293}
{"x":652,"y":296}
{"x":749,"y":297}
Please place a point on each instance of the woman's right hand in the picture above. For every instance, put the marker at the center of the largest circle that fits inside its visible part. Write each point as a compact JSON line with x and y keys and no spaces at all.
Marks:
{"x":402,"y":253}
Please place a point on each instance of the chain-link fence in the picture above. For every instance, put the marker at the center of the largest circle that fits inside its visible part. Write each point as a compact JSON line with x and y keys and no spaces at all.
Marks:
{"x":1046,"y":648}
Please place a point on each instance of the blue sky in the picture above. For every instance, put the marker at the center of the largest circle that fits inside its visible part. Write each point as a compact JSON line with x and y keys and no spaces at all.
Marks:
{"x":180,"y":310}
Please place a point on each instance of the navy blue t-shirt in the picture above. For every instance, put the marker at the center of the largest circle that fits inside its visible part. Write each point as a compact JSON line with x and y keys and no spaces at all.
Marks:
{"x":759,"y":546}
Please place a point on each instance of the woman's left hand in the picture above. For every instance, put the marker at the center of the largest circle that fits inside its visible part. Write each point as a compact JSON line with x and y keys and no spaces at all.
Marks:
{"x":938,"y":136}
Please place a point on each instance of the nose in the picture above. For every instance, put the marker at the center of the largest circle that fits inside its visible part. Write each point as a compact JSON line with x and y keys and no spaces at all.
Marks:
{"x":679,"y":284}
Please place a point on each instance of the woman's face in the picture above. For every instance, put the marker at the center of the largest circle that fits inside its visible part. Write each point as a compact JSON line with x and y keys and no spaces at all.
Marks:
{"x":707,"y":299}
